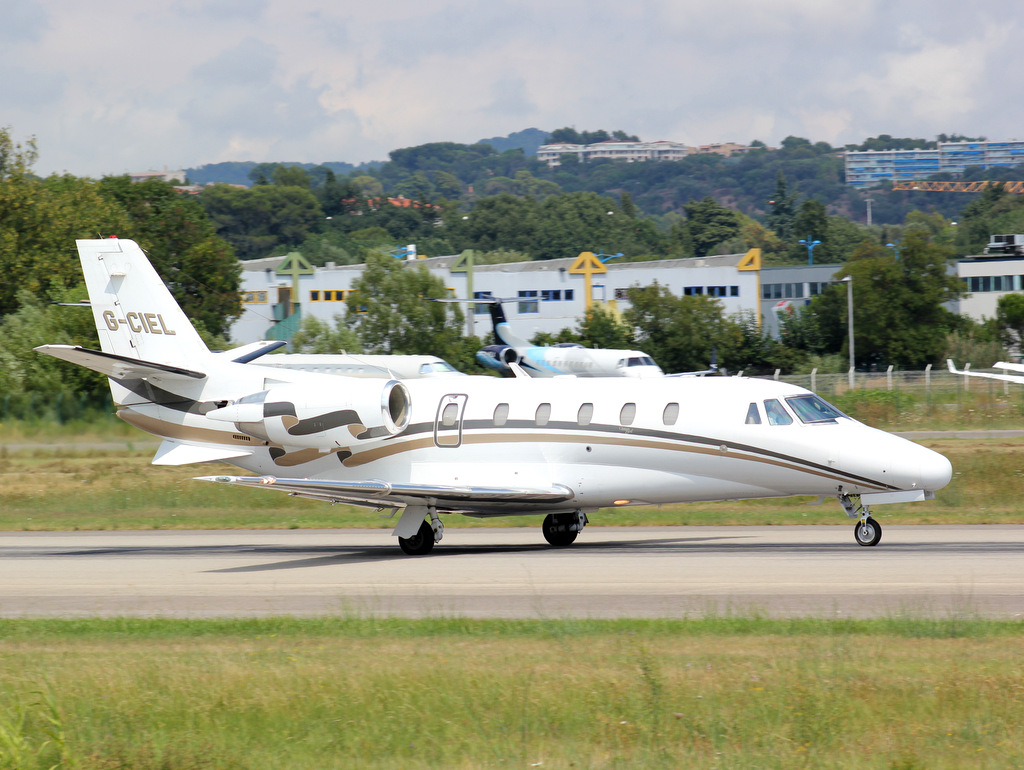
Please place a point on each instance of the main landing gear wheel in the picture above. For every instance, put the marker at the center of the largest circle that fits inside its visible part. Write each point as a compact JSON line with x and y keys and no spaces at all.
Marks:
{"x":559,"y":529}
{"x":867,"y":532}
{"x":419,"y":544}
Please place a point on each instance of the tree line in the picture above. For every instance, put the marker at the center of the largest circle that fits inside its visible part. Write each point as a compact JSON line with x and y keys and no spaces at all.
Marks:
{"x":194,"y":242}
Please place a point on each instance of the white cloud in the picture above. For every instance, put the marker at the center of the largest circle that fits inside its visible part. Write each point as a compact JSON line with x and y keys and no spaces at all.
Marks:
{"x":114,"y":86}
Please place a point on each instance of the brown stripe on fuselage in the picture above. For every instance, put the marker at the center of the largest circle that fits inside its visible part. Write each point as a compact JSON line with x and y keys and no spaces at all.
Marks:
{"x":166,"y":429}
{"x":398,"y":447}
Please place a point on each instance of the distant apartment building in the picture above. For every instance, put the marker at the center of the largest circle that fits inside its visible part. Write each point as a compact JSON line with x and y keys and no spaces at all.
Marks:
{"x":177,"y":175}
{"x":614,"y":149}
{"x":726,"y":149}
{"x":869,"y":168}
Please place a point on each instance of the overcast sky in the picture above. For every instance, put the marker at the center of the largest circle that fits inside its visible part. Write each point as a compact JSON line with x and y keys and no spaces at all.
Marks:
{"x":112,"y":86}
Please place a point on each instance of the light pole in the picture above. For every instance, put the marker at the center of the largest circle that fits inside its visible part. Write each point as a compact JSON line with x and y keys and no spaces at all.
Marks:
{"x":810,"y":248}
{"x":848,"y":280}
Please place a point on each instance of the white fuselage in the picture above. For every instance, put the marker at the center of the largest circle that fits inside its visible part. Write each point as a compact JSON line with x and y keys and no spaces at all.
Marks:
{"x":614,"y":442}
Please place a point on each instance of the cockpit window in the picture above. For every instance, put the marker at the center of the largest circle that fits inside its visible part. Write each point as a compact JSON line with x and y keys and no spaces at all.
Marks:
{"x":812,"y":409}
{"x":753,"y":415}
{"x":640,"y":361}
{"x":777,"y":414}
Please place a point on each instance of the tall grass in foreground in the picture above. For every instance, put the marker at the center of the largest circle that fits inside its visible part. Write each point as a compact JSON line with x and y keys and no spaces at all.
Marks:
{"x":323,"y":693}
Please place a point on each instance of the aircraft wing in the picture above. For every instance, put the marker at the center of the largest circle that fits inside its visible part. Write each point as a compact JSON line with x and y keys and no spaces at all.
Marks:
{"x":378,"y":493}
{"x":115,"y":366}
{"x":1018,"y":378}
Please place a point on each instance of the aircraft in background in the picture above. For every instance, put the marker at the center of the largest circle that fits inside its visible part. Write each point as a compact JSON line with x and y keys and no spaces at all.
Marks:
{"x":568,"y":358}
{"x":561,"y":448}
{"x":1018,"y":378}
{"x":370,"y":365}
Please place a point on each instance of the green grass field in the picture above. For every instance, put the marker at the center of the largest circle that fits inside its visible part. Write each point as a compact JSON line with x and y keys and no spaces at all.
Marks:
{"x":352,"y":692}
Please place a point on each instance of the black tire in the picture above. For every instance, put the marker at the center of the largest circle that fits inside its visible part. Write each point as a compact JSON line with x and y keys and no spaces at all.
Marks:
{"x":419,"y":544}
{"x":867,"y":532}
{"x":556,"y":529}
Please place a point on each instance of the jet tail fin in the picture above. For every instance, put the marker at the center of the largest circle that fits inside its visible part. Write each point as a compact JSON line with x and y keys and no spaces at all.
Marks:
{"x":135,"y":313}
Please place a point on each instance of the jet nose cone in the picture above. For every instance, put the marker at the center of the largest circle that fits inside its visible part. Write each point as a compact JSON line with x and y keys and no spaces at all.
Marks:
{"x":936,"y":471}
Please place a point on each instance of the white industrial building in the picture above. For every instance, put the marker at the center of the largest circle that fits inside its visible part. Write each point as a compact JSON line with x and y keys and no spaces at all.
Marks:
{"x":544,"y":295}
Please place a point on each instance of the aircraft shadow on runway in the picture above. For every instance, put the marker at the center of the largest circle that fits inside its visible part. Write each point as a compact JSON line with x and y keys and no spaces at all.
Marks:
{"x":282,"y":557}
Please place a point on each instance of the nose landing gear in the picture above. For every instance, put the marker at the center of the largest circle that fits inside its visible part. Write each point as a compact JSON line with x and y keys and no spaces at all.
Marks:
{"x":867,"y":531}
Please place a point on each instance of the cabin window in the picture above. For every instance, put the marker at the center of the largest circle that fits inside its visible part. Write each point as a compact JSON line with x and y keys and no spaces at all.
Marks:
{"x":500,"y":415}
{"x":449,"y":415}
{"x":671,"y":414}
{"x":627,"y":414}
{"x":812,"y":409}
{"x":753,"y":415}
{"x":777,"y":414}
{"x":585,"y":414}
{"x":543,"y":414}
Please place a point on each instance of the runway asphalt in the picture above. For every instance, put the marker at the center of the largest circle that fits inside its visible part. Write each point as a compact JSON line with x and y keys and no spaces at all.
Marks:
{"x":675,"y":572}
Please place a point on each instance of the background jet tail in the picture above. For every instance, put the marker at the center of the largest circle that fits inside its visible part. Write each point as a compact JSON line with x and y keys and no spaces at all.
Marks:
{"x":135,"y":313}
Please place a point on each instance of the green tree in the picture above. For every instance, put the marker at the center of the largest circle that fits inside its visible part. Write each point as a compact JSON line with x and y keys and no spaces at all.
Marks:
{"x":708,"y":224}
{"x":391,"y":312}
{"x":291,"y":176}
{"x":264,"y":219}
{"x":782,"y":211}
{"x":316,"y":336}
{"x":898,"y":314}
{"x":681,"y":332}
{"x":200,"y":268}
{"x":28,"y":377}
{"x":1010,"y":320}
{"x":39,"y":223}
{"x":602,"y":327}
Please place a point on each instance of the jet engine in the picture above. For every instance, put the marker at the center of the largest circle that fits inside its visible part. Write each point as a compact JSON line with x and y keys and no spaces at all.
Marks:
{"x":320,"y":417}
{"x":497,"y":357}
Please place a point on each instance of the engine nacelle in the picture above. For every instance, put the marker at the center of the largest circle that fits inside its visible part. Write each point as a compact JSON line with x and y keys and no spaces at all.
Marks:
{"x":497,"y":357}
{"x":321,"y":417}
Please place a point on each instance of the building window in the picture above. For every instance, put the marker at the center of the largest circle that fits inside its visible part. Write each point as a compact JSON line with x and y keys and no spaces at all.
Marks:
{"x":621,"y":294}
{"x":551,"y":295}
{"x":254,"y":296}
{"x":527,"y":305}
{"x":734,"y":291}
{"x":480,"y":307}
{"x":691,"y":291}
{"x":568,"y":295}
{"x":314,"y":296}
{"x":717,"y":291}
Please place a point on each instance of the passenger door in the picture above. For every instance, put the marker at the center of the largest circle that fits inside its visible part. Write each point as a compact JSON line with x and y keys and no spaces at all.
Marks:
{"x":448,"y":421}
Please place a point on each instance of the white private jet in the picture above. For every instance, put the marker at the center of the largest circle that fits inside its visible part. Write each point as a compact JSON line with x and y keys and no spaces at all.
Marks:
{"x":568,"y":358}
{"x":479,"y":446}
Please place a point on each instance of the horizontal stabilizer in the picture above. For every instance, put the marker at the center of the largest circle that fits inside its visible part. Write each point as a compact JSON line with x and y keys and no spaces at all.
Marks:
{"x":115,"y":366}
{"x":177,"y":453}
{"x":252,"y":351}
